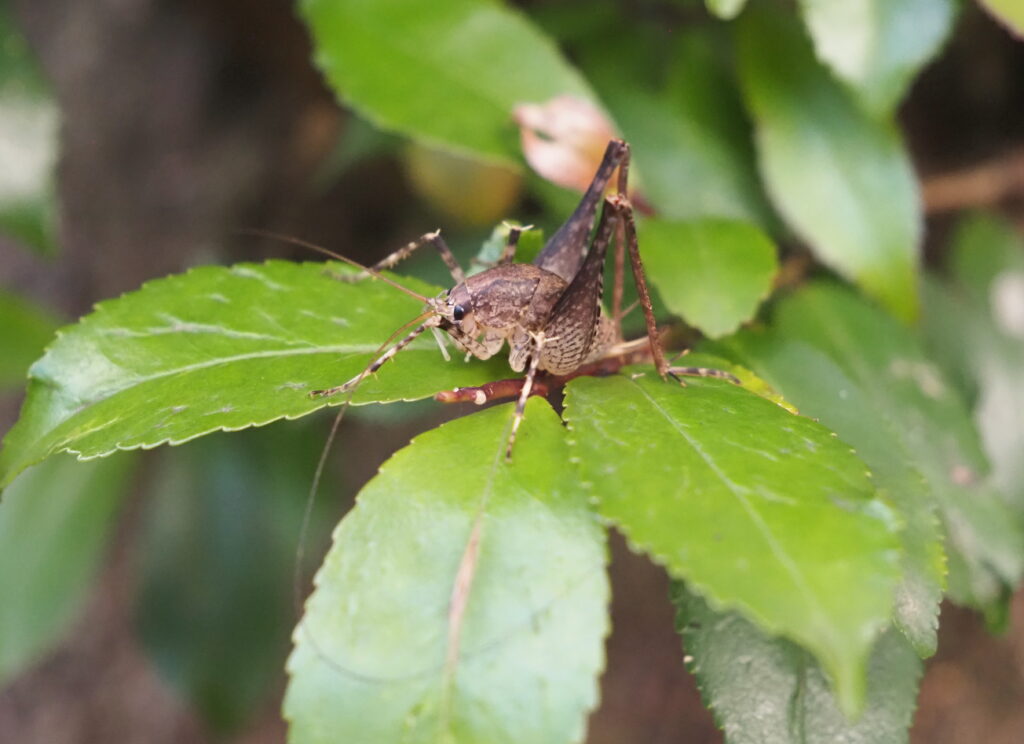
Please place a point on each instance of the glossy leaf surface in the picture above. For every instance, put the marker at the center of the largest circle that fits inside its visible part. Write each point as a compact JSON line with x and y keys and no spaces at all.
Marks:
{"x":448,"y":72}
{"x":985,"y":542}
{"x":691,"y":143}
{"x":463,"y":600}
{"x":842,"y":180}
{"x":811,"y":380}
{"x":877,"y":46}
{"x":759,"y":509}
{"x":713,"y":273}
{"x":221,"y":348}
{"x":765,"y":689}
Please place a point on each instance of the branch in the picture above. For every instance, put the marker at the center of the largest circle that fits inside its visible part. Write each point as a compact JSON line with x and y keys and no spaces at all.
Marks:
{"x":979,"y":185}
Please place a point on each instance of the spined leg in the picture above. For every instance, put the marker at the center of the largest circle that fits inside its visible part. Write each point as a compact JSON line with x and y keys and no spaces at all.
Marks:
{"x":625,"y":211}
{"x":431,"y":238}
{"x":373,"y":366}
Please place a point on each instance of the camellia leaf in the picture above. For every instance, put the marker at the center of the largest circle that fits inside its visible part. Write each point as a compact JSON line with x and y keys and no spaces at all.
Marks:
{"x":1009,"y":12}
{"x":726,"y":9}
{"x":464,"y":64}
{"x":877,"y":46}
{"x":764,"y":689}
{"x":842,"y":180}
{"x":691,"y":142}
{"x":221,"y":348}
{"x":985,"y":542}
{"x":28,"y":142}
{"x":713,"y":273}
{"x":26,"y":328}
{"x":54,"y":523}
{"x":975,"y":323}
{"x":214,"y":612}
{"x":820,"y":388}
{"x":757,"y":508}
{"x":464,"y":599}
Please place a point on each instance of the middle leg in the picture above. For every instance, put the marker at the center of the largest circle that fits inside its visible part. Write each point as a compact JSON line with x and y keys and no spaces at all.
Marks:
{"x":392,"y":259}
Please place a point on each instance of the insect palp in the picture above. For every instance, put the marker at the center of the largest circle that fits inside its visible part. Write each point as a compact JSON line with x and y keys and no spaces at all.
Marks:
{"x":441,"y":344}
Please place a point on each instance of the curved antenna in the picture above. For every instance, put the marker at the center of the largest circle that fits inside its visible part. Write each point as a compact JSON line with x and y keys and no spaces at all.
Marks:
{"x":344,"y":259}
{"x":307,"y":514}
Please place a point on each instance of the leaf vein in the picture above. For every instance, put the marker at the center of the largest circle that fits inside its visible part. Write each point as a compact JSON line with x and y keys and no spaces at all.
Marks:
{"x":787,"y":563}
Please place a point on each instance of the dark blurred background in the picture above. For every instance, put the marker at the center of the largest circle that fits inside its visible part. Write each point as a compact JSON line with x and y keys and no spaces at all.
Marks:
{"x":183,"y":122}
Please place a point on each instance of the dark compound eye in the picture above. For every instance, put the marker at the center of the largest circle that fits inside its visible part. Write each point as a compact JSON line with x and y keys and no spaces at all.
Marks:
{"x":458,"y":312}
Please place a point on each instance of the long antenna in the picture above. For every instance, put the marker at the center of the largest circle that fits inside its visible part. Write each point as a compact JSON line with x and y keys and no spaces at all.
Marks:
{"x":344,"y":259}
{"x":300,"y":549}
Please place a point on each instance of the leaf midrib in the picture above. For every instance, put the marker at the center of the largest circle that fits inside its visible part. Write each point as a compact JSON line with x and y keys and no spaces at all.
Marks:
{"x":787,"y":563}
{"x":454,"y":638}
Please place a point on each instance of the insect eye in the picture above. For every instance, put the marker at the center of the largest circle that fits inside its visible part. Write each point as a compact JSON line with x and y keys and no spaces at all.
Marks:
{"x":458,"y":312}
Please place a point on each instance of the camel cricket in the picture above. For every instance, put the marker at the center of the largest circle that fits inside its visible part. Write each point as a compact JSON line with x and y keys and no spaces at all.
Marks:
{"x":550,"y":311}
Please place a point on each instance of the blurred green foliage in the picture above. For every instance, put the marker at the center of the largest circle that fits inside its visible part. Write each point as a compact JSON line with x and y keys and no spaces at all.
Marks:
{"x":28,"y":143}
{"x":464,"y":599}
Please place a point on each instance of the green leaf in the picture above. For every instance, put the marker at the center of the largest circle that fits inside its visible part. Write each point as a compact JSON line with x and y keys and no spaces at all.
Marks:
{"x":27,"y":329}
{"x":28,"y":143}
{"x":530,"y":244}
{"x":448,"y":72}
{"x":842,"y":180}
{"x":764,"y":689}
{"x":691,"y":141}
{"x":726,"y":9}
{"x":758,"y":509}
{"x":463,"y":600}
{"x":713,"y":273}
{"x":821,"y":389}
{"x":976,"y":325}
{"x":1008,"y":12}
{"x":54,"y":524}
{"x":221,"y":348}
{"x":877,"y":46}
{"x":213,"y":612}
{"x":985,"y":542}
{"x":986,"y":250}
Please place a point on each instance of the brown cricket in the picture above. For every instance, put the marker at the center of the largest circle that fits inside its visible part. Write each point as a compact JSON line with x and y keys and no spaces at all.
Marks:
{"x":549,"y":312}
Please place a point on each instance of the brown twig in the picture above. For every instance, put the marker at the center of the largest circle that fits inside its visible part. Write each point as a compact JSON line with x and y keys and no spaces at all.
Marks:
{"x":984,"y":184}
{"x":544,"y":383}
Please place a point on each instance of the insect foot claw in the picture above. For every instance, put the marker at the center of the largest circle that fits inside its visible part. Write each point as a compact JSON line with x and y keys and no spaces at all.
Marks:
{"x":331,"y":391}
{"x":720,"y":374}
